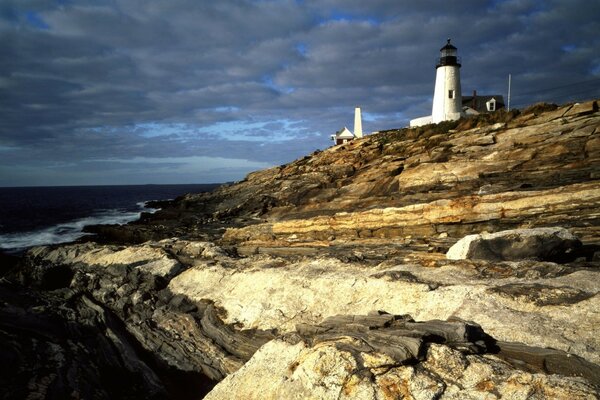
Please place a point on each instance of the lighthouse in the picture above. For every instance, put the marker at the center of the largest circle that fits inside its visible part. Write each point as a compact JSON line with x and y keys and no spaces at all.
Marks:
{"x":447,"y":96}
{"x":448,"y":102}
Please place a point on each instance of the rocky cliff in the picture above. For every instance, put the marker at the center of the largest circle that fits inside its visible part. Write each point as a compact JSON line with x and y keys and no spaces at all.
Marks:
{"x":328,"y":277}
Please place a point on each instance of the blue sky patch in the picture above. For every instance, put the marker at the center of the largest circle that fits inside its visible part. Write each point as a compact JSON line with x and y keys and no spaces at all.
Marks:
{"x":35,"y":20}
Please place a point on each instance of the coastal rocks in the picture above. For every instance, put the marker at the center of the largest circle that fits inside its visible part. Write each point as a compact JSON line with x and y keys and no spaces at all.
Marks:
{"x":267,"y":292}
{"x":544,"y":244}
{"x":400,"y":337}
{"x":529,"y":170}
{"x":575,"y":205}
{"x":173,"y":336}
{"x":383,"y":356}
{"x":7,"y":262}
{"x":289,"y":267}
{"x":197,"y":308}
{"x":51,"y":268}
{"x":542,"y":295}
{"x":64,"y":345}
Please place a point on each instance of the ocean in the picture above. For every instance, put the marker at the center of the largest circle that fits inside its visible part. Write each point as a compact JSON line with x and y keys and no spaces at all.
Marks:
{"x":32,"y":216}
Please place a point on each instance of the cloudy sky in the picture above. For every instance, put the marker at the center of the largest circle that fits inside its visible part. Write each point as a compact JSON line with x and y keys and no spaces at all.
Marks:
{"x":198,"y":91}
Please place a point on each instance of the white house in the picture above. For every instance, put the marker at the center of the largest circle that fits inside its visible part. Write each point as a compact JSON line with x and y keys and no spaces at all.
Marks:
{"x":342,"y":136}
{"x":483,"y":103}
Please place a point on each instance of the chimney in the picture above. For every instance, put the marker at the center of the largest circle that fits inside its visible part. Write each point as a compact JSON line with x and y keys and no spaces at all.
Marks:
{"x":357,"y":123}
{"x":474,"y":100}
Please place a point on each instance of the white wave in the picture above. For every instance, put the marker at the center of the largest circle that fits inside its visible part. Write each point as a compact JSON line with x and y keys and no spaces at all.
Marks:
{"x":69,"y":231}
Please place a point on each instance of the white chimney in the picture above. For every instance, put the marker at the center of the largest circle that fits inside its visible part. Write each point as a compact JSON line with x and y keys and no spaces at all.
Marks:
{"x":357,"y":123}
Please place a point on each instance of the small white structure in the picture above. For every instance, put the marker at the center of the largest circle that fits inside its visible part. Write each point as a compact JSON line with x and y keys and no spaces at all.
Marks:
{"x":447,"y":95}
{"x":344,"y":135}
{"x":470,"y":111}
{"x":357,"y":123}
{"x":421,"y":121}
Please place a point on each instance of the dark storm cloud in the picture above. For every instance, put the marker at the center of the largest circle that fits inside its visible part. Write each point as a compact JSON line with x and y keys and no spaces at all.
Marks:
{"x":88,"y":86}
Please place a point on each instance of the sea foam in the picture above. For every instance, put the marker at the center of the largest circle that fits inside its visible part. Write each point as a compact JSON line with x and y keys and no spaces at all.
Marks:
{"x":69,"y":231}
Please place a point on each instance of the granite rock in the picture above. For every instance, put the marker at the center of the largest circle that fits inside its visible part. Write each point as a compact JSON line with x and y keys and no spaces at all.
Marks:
{"x":382,"y":356}
{"x":544,"y":244}
{"x":282,"y":275}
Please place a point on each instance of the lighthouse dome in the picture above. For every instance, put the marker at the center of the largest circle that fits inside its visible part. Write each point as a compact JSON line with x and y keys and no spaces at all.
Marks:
{"x":448,"y":56}
{"x":448,"y":46}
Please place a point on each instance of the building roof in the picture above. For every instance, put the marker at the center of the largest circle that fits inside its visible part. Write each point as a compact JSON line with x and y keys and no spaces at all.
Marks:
{"x":344,"y":133}
{"x":481,"y":99}
{"x":448,"y":46}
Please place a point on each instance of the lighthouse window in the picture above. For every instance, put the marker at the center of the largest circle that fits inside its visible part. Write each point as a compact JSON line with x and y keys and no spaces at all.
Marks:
{"x":450,"y":94}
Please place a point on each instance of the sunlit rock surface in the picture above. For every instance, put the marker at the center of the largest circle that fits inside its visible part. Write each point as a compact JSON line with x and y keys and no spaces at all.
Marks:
{"x":330,"y":370}
{"x":510,"y":171}
{"x":241,"y":285}
{"x":217,"y":310}
{"x":552,"y":243}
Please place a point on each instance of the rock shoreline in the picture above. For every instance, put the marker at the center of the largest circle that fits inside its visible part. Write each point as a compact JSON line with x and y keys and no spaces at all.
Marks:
{"x":328,"y":277}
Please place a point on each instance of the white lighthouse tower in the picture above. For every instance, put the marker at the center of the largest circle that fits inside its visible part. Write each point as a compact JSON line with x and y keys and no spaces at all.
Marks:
{"x":447,"y":96}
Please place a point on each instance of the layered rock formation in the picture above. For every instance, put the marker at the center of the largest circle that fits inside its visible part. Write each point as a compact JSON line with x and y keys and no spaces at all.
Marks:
{"x":517,"y":170}
{"x":390,"y":357}
{"x":530,"y":171}
{"x":192,"y":307}
{"x":291,"y":273}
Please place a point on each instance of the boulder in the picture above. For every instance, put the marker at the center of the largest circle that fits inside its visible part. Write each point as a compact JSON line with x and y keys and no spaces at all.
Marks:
{"x":543,"y":244}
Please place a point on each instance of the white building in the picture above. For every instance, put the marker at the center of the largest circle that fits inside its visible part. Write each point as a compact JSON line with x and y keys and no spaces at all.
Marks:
{"x":447,"y":95}
{"x":344,"y":135}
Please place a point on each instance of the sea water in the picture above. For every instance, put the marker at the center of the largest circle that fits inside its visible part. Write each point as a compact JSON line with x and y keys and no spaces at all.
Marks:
{"x":32,"y":216}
